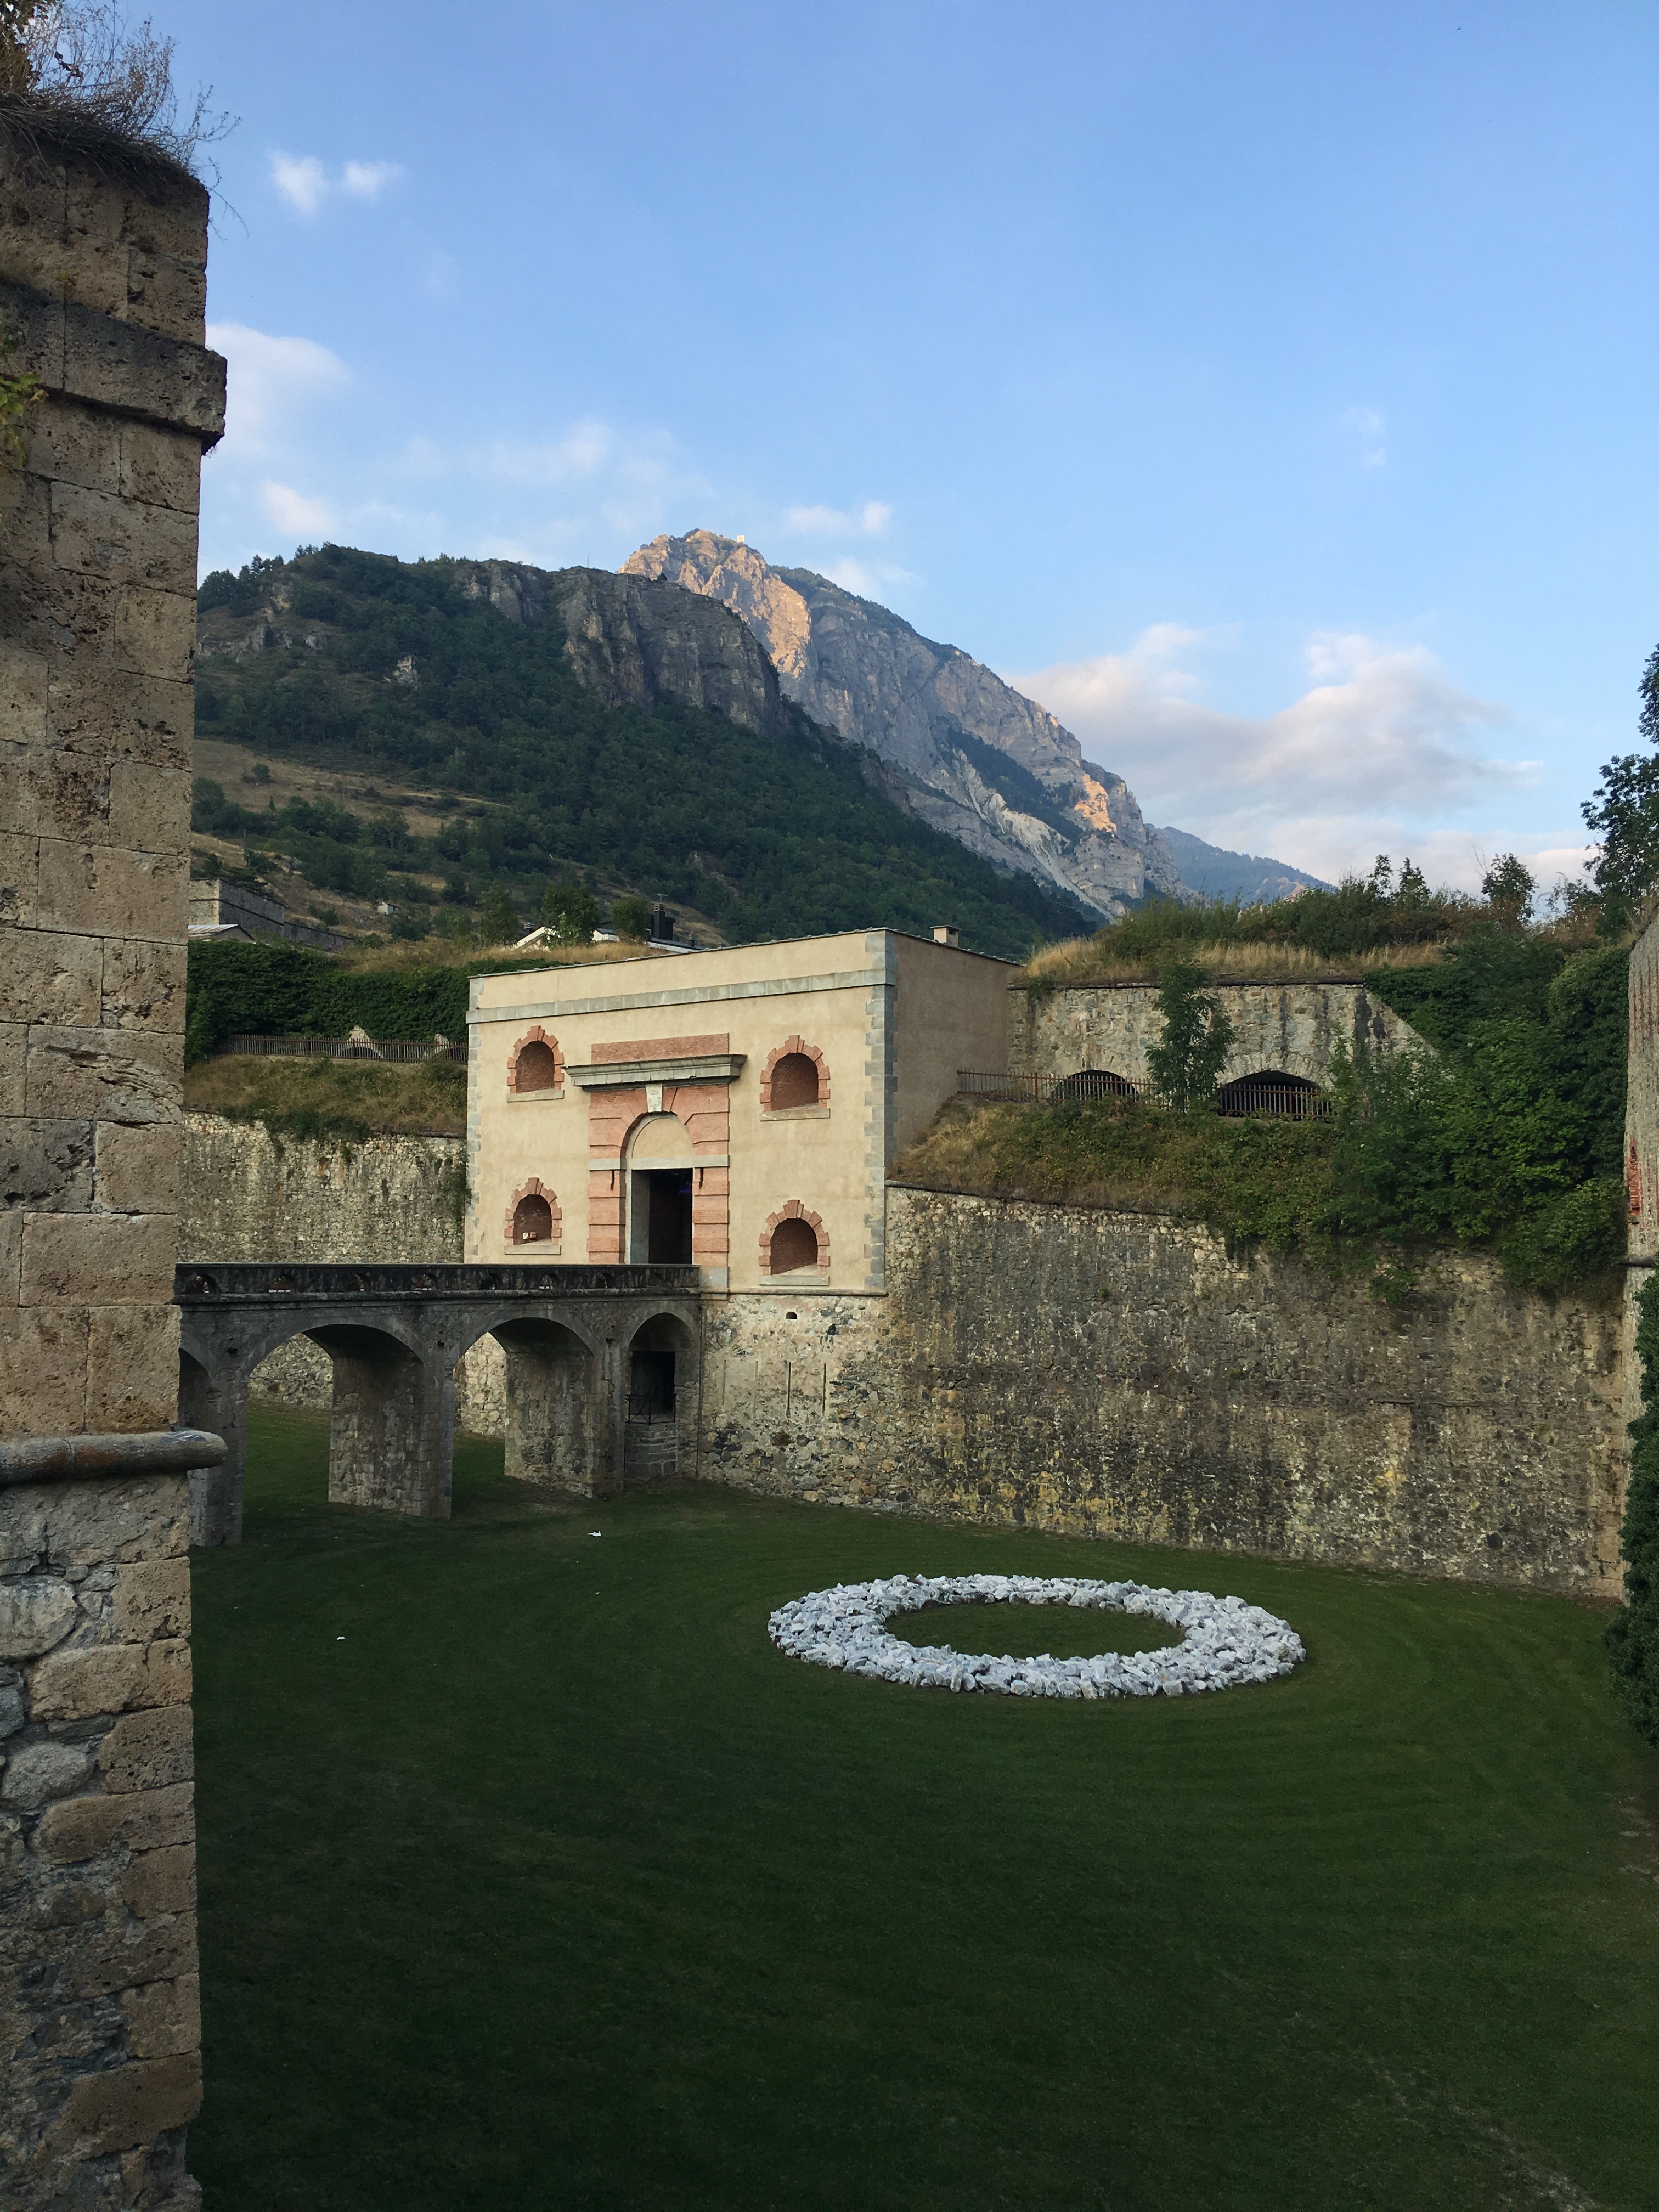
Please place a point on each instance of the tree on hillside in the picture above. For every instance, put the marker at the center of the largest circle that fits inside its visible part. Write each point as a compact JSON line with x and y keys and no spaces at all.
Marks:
{"x":1508,"y":887}
{"x":1186,"y":1062}
{"x":1624,"y":817}
{"x":571,"y":912}
{"x":631,"y":918}
{"x":498,"y":923}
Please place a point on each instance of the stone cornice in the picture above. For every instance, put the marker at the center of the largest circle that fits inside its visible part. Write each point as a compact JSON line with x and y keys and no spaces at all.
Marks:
{"x":80,"y":354}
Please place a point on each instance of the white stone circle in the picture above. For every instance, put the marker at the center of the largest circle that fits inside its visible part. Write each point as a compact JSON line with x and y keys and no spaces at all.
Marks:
{"x":1224,"y":1641}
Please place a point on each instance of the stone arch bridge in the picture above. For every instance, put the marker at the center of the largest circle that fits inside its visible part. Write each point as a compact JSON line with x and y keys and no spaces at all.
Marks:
{"x":604,"y":1373}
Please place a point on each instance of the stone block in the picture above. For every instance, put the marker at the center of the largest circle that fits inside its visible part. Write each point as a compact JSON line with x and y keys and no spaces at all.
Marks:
{"x":36,"y":1614}
{"x":115,"y":1259}
{"x":110,"y":1678}
{"x":11,"y":1257}
{"x":164,"y":2018}
{"x":37,"y":1772}
{"x":162,"y":467}
{"x":136,"y":1170}
{"x":143,"y":372}
{"x":148,"y":806}
{"x":23,"y":695}
{"x":104,"y":890}
{"x":111,"y":1520}
{"x":132,"y":1368}
{"x":148,"y":1750}
{"x":76,"y":1829}
{"x":43,"y":1371}
{"x":160,"y":1882}
{"x":110,"y":1075}
{"x":13,"y":1043}
{"x":122,"y":2106}
{"x":73,"y":614}
{"x":118,"y":1952}
{"x":72,"y":444}
{"x":143,"y":985}
{"x":106,"y":535}
{"x":45,"y":792}
{"x":137,"y":718}
{"x":20,"y":871}
{"x":156,"y":632}
{"x":167,"y":294}
{"x":152,"y":1599}
{"x":46,"y":1166}
{"x":48,"y":975}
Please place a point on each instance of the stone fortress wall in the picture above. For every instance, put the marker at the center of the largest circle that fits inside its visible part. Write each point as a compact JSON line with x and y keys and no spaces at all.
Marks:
{"x":102,"y":282}
{"x":1290,"y":1027}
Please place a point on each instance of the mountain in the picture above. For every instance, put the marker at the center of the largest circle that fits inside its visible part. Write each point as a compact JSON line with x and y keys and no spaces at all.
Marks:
{"x":1215,"y":874}
{"x":538,"y":723}
{"x":977,"y":759}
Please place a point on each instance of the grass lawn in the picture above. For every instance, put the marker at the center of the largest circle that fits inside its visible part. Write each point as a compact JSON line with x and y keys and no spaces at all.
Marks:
{"x":532,"y":1876}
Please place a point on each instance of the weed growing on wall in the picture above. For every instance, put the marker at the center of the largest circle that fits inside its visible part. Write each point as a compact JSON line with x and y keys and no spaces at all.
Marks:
{"x":1187,"y":1062}
{"x":1633,"y":1636}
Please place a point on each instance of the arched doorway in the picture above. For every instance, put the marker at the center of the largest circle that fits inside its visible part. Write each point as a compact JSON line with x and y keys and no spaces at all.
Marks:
{"x":660,"y":1408}
{"x":660,"y":1171}
{"x":551,"y":1406}
{"x":1273,"y":1091}
{"x":1091,"y":1085}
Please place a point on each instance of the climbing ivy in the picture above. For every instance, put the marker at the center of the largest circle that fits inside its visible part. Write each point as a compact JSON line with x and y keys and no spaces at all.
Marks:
{"x":1633,"y":1637}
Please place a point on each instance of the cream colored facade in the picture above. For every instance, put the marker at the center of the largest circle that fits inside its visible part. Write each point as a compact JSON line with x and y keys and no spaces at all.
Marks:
{"x":598,"y":1095}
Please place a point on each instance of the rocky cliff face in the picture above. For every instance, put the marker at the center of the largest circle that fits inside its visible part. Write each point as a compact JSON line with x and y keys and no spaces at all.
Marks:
{"x":979,"y":760}
{"x":636,"y":639}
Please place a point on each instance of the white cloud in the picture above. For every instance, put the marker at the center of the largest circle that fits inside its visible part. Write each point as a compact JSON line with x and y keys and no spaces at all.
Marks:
{"x":1370,"y":430}
{"x":870,"y":520}
{"x":294,"y":514}
{"x":271,"y":379}
{"x":306,"y":184}
{"x":1381,"y":744}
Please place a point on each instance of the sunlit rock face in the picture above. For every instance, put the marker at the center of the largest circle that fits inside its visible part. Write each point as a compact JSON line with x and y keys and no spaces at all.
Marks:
{"x":979,"y":761}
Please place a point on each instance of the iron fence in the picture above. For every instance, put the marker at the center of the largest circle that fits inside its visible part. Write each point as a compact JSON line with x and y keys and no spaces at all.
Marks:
{"x":309,"y":1047}
{"x":1297,"y":1100}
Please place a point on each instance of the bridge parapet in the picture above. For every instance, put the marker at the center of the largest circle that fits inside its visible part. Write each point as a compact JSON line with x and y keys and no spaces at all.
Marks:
{"x":604,"y":1372}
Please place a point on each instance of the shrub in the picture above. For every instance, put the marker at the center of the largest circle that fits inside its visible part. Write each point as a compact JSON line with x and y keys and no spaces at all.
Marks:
{"x":571,"y":912}
{"x":631,"y":918}
{"x":1186,"y":1062}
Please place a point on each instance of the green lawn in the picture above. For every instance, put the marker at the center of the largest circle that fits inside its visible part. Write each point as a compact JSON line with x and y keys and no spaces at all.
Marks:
{"x":532,"y":1876}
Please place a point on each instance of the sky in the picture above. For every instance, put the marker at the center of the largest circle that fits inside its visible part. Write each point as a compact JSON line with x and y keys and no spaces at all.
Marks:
{"x":1265,"y":387}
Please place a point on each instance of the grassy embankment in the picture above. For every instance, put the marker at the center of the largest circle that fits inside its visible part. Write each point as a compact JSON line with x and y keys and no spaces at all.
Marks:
{"x":531,"y":1875}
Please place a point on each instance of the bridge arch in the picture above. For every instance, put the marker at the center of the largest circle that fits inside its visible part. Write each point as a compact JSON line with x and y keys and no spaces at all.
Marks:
{"x":662,"y":1383}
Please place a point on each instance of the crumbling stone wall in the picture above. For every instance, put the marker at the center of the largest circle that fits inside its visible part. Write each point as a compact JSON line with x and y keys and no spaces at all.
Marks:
{"x":1292,"y":1027}
{"x":1112,"y":1374}
{"x":102,"y":275}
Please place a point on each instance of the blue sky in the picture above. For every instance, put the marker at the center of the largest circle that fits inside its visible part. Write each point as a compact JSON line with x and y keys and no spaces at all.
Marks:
{"x":1267,"y":388}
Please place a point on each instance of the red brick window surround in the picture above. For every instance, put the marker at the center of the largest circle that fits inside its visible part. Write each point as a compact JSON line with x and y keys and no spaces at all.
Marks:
{"x":793,"y":1240}
{"x":795,"y":1074}
{"x":535,"y":1064}
{"x":533,"y":1215}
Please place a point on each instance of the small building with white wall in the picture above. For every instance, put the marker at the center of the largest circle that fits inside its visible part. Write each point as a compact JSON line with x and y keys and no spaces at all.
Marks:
{"x":737,"y":1110}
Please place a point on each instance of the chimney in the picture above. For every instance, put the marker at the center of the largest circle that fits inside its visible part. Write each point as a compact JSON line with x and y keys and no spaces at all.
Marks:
{"x":945,"y":934}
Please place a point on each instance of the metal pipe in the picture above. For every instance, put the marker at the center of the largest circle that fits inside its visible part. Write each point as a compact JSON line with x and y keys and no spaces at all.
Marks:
{"x":83,"y":1459}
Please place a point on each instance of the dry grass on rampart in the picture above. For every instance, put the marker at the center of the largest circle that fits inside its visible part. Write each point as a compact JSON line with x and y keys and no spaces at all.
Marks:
{"x":447,"y":952}
{"x":1081,"y":960}
{"x":338,"y":1097}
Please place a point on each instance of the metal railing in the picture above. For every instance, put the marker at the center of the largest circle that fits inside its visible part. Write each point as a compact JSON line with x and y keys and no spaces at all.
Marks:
{"x":1234,"y":1100}
{"x":309,"y":1047}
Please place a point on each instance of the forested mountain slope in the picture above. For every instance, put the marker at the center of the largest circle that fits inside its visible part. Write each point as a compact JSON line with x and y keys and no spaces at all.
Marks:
{"x":571,"y":723}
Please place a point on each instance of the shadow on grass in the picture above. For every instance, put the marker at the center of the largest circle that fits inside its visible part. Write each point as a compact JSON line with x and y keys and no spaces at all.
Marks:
{"x":532,"y":1875}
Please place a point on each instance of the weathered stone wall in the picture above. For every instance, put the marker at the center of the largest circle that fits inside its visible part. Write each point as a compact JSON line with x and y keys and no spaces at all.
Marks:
{"x":1097,"y":1373}
{"x":102,"y":280}
{"x":101,"y":2027}
{"x":248,"y":1195}
{"x":1290,"y":1027}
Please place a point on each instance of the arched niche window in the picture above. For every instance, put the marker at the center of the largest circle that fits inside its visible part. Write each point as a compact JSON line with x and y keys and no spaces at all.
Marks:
{"x":536,"y":1065}
{"x":794,"y":1239}
{"x":532,"y":1216}
{"x":795,"y":1075}
{"x":1273,"y":1091}
{"x":1093,"y":1083}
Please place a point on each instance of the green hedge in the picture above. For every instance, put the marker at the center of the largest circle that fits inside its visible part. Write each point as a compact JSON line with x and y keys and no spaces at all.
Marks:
{"x":287,"y":990}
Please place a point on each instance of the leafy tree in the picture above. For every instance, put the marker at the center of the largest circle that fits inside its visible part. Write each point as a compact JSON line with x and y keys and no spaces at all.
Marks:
{"x":571,"y":912}
{"x":498,"y":922}
{"x":1623,"y":816}
{"x":631,"y":918}
{"x":1508,"y":887}
{"x":1187,"y":1062}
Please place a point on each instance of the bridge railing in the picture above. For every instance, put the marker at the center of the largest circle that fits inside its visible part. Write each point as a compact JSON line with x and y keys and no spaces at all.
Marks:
{"x":357,"y":1047}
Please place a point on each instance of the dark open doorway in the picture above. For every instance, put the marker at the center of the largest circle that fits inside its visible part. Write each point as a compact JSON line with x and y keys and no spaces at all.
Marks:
{"x":663,"y":1195}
